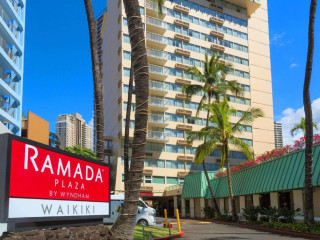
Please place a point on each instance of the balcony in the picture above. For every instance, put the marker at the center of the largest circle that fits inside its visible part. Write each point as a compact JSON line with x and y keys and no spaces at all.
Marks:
{"x":9,"y":50}
{"x":158,"y":88}
{"x":182,"y":52}
{"x":216,"y":20}
{"x":183,"y":82}
{"x":158,"y":104}
{"x":16,"y":7}
{"x":157,"y":136}
{"x":156,"y":41}
{"x":184,"y":112}
{"x":185,"y":158}
{"x":7,"y":107}
{"x":182,"y":174}
{"x":181,"y":37}
{"x":182,"y":66}
{"x":216,"y":34}
{"x":184,"y":127}
{"x":216,"y":7}
{"x":156,"y":56}
{"x":158,"y":72}
{"x":11,"y":24}
{"x":8,"y":78}
{"x":217,"y":48}
{"x":148,"y":189}
{"x":155,"y":25}
{"x":147,"y":172}
{"x":181,"y":23}
{"x":180,"y":8}
{"x":158,"y":120}
{"x":183,"y":143}
{"x":153,"y":10}
{"x":182,"y":96}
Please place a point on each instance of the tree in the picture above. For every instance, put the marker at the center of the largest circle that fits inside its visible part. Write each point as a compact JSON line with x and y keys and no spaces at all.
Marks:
{"x":124,"y":226}
{"x":97,"y":83}
{"x":308,"y":188}
{"x":302,"y":126}
{"x":221,"y":134}
{"x":54,"y":140}
{"x":213,"y":87}
{"x":84,"y":152}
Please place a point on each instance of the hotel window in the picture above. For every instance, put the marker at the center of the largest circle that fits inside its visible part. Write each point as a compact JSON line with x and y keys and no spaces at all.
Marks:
{"x":158,"y":180}
{"x":147,"y":179}
{"x":175,"y":164}
{"x":172,"y":180}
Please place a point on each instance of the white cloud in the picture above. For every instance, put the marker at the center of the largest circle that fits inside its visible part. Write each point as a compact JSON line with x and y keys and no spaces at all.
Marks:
{"x":293,"y":65}
{"x":290,"y":116}
{"x":277,"y":38}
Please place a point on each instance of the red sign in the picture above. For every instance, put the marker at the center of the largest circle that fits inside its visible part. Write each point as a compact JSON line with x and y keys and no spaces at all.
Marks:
{"x":39,"y":173}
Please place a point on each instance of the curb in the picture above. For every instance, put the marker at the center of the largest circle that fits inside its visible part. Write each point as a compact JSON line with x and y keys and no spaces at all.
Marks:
{"x":179,"y":235}
{"x":272,"y":230}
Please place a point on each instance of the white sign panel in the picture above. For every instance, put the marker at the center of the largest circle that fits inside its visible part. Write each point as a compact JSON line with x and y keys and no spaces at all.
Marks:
{"x":31,"y":208}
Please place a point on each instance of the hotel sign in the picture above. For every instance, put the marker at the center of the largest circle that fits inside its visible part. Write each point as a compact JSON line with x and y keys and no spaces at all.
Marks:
{"x":40,"y":183}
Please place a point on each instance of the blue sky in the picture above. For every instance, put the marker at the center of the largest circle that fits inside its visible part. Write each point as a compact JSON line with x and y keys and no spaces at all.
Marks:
{"x":58,"y":78}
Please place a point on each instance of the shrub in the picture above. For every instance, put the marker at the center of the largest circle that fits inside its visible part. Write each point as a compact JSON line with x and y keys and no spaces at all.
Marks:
{"x":251,"y":213}
{"x":288,"y":214}
{"x":209,"y":212}
{"x":272,"y":213}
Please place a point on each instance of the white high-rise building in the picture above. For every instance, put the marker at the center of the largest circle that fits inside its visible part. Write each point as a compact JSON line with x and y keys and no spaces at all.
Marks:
{"x":278,"y":137}
{"x":72,"y":130}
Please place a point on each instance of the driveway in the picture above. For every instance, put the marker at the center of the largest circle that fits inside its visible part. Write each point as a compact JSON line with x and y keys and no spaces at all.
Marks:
{"x":212,"y":231}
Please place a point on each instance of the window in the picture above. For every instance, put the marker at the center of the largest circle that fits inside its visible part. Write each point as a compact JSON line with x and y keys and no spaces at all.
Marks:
{"x":127,"y":55}
{"x":147,"y":179}
{"x":154,"y":163}
{"x":158,"y":180}
{"x":172,"y":180}
{"x":175,"y":164}
{"x":174,"y":148}
{"x":181,"y":181}
{"x":126,"y":72}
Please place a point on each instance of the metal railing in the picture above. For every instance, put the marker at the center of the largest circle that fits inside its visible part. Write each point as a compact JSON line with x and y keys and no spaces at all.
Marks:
{"x":157,"y":38}
{"x":15,"y":6}
{"x":158,"y":102}
{"x":157,"y":53}
{"x":156,"y":22}
{"x":9,"y":51}
{"x":5,"y":106}
{"x":9,"y":23}
{"x":157,"y":118}
{"x":6,"y":78}
{"x":158,"y":86}
{"x":158,"y":135}
{"x":158,"y":70}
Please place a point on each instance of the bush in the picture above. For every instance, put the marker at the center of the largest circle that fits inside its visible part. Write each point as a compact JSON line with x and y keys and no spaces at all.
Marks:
{"x":272,"y":213}
{"x":226,"y":218}
{"x":288,"y":214}
{"x":209,"y":212}
{"x":251,"y":213}
{"x":294,"y":227}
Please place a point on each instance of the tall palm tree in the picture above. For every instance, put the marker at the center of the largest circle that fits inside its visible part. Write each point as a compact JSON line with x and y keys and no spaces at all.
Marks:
{"x":221,"y":134}
{"x":124,"y":226}
{"x":302,"y":126}
{"x":213,"y":87}
{"x":97,"y":83}
{"x":308,"y":188}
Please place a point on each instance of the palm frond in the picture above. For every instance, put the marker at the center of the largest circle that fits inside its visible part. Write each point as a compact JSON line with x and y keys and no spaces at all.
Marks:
{"x":204,"y":150}
{"x":242,"y":146}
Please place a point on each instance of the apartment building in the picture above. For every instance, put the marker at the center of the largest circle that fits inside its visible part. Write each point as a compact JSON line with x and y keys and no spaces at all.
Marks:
{"x":12,"y":29}
{"x":72,"y":130}
{"x":278,"y":138}
{"x":237,"y":30}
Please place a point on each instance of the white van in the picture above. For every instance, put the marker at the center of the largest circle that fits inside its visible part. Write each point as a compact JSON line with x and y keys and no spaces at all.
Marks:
{"x":146,"y":215}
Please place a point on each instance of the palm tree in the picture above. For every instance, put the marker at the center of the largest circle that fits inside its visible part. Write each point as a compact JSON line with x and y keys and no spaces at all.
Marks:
{"x":221,"y":134}
{"x":98,"y":98}
{"x":54,"y":140}
{"x":302,"y":126}
{"x":124,"y":226}
{"x":308,"y":188}
{"x":213,"y":86}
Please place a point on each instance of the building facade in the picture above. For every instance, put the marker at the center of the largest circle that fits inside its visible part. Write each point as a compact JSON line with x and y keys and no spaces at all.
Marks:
{"x":278,"y":137}
{"x":72,"y":130}
{"x":177,"y":39}
{"x":35,"y":128}
{"x":12,"y":31}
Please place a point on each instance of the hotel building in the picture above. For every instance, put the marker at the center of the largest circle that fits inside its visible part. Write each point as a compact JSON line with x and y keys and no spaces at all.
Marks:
{"x":175,"y":40}
{"x":72,"y":130}
{"x":12,"y":29}
{"x":278,"y":137}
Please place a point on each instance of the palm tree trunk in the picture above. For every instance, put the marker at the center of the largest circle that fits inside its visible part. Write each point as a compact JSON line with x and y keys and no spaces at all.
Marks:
{"x":98,"y":96}
{"x":214,"y":200}
{"x":127,"y":130}
{"x":308,"y":203}
{"x":233,"y":201}
{"x":124,"y":226}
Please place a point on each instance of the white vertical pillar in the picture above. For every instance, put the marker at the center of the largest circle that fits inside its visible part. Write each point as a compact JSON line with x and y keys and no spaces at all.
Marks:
{"x":202,"y":206}
{"x":183,"y":207}
{"x":221,"y":204}
{"x":229,"y":205}
{"x":298,"y":200}
{"x":256,"y":200}
{"x":274,"y":200}
{"x":192,"y":207}
{"x":175,"y":204}
{"x":242,"y":200}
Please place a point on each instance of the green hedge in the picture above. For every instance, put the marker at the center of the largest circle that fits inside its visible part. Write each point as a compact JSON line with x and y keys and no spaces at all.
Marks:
{"x":295,"y":227}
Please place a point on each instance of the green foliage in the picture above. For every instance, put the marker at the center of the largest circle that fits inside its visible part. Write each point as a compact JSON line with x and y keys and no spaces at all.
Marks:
{"x":225,"y":218}
{"x":84,"y":152}
{"x":272,"y":213}
{"x":251,"y":213}
{"x":295,"y":227}
{"x":209,"y":212}
{"x":288,"y":214}
{"x":54,"y":140}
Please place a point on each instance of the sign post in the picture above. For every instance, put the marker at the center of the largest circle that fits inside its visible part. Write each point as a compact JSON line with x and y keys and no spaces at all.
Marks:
{"x":41,"y":186}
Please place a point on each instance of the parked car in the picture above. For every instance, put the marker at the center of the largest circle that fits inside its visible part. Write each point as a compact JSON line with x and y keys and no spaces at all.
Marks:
{"x":146,"y":215}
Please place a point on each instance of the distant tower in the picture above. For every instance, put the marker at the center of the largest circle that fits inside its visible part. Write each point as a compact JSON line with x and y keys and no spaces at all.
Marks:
{"x":72,"y":130}
{"x":278,"y":138}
